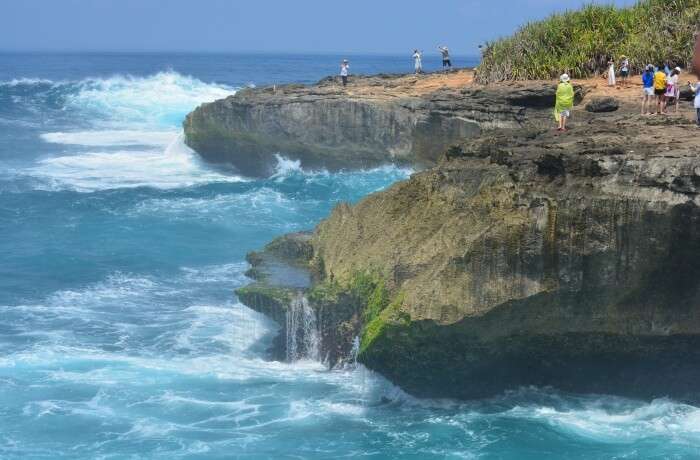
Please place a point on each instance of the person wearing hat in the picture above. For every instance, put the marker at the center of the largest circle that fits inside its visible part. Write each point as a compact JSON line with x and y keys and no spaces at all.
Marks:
{"x":648,"y":90}
{"x":624,"y":69}
{"x":675,"y":80}
{"x":344,"y":70}
{"x":564,"y":102}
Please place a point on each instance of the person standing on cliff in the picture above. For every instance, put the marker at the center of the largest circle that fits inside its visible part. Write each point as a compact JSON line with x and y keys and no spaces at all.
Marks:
{"x":611,"y":72}
{"x":344,"y":71}
{"x":696,"y":90}
{"x":418,"y":61}
{"x":660,"y":89}
{"x":648,"y":90}
{"x":624,"y":70}
{"x":565,"y":101}
{"x":446,"y":62}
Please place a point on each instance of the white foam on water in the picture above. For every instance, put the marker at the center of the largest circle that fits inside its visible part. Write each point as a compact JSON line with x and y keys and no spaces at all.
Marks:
{"x":26,"y":82}
{"x":117,"y":138}
{"x":161,"y":99}
{"x":175,"y":167}
{"x":618,"y":420}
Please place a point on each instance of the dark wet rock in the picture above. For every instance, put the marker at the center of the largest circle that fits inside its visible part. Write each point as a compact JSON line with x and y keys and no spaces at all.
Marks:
{"x":526,"y":256}
{"x":603,"y":104}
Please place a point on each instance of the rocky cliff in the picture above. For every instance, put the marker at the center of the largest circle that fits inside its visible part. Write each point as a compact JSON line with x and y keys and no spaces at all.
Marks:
{"x":524,"y":257}
{"x":372,"y":121}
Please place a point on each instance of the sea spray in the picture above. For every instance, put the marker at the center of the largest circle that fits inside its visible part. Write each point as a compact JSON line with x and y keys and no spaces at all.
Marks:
{"x":301,"y":330}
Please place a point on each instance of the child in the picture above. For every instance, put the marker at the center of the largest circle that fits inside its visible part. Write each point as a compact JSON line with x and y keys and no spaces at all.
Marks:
{"x":564,"y":102}
{"x":648,"y":90}
{"x":671,"y":85}
{"x":660,"y":90}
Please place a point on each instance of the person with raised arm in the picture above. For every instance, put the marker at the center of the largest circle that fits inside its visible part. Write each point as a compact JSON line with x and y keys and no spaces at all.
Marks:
{"x":418,"y":61}
{"x":446,"y":62}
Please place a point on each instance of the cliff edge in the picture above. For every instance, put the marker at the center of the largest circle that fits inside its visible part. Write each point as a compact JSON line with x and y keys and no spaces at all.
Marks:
{"x":401,"y":119}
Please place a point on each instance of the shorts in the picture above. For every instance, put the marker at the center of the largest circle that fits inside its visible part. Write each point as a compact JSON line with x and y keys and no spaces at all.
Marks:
{"x":565,"y":113}
{"x":446,"y":63}
{"x":648,"y":91}
{"x":660,"y":92}
{"x":624,"y":73}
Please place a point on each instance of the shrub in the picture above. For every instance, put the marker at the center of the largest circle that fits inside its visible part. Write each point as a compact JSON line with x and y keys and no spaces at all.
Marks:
{"x":580,"y":42}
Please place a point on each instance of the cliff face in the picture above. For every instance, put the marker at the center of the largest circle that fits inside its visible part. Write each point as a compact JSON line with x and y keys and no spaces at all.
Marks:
{"x":532,"y":258}
{"x":522,"y":257}
{"x":375,"y":120}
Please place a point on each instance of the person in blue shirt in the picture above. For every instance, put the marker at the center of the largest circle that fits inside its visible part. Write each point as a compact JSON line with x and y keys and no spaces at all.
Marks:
{"x":648,"y":90}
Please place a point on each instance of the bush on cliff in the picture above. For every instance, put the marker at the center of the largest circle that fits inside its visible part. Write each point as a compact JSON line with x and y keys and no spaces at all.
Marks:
{"x":580,"y":42}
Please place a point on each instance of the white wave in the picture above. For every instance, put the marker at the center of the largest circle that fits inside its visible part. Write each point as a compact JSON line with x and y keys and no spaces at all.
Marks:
{"x":175,"y":167}
{"x":162,"y":99}
{"x":112,"y":138}
{"x":612,"y":419}
{"x":26,"y":82}
{"x":286,"y":166}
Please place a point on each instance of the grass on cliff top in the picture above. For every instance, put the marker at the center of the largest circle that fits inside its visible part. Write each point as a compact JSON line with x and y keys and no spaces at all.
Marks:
{"x":580,"y":42}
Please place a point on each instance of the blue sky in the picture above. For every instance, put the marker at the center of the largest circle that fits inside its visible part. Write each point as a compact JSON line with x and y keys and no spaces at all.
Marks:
{"x":379,"y":26}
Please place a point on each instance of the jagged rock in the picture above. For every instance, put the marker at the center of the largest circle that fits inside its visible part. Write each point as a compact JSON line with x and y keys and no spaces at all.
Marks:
{"x":326,"y":126}
{"x":603,"y":104}
{"x":526,"y":257}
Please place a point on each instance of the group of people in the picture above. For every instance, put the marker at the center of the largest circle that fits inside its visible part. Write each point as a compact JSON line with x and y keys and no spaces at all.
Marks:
{"x":417,"y":63}
{"x":418,"y":59}
{"x":661,"y":86}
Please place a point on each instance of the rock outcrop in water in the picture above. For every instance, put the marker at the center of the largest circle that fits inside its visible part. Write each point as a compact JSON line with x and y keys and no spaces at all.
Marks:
{"x":525,"y":257}
{"x":375,"y":120}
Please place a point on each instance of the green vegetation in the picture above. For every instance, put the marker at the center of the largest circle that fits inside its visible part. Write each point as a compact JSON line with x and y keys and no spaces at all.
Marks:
{"x":368,"y":290}
{"x":580,"y":42}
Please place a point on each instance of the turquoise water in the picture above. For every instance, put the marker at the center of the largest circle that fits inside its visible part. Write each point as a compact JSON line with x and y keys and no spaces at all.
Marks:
{"x":120,"y":336}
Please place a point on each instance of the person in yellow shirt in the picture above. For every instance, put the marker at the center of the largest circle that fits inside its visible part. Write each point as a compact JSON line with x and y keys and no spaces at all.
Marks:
{"x":660,"y":90}
{"x":564,"y":102}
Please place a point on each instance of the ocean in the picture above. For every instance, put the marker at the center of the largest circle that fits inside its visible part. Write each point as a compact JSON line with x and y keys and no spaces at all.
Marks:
{"x":120,"y":334}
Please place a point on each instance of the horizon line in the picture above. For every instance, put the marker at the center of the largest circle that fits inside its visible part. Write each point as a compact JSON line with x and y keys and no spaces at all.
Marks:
{"x":225,"y":52}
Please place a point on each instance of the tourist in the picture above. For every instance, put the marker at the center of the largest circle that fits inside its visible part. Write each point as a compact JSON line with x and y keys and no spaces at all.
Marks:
{"x":624,"y":69}
{"x":564,"y":102}
{"x":344,"y":70}
{"x":611,"y":72}
{"x":660,"y":90}
{"x":446,"y":62}
{"x":648,"y":90}
{"x":696,"y":90}
{"x":671,"y":83}
{"x":676,"y":76}
{"x":418,"y":61}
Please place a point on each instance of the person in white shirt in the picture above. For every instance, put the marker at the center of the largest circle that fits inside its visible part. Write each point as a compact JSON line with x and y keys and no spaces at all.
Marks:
{"x":344,"y":71}
{"x":418,"y":61}
{"x":696,"y":90}
{"x":611,"y":72}
{"x":674,"y":79}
